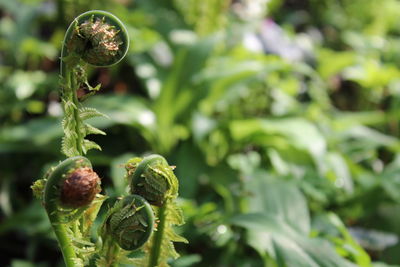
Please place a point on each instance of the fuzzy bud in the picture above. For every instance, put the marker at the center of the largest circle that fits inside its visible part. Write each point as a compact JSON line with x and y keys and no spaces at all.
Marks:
{"x":97,"y":42}
{"x":80,"y":188}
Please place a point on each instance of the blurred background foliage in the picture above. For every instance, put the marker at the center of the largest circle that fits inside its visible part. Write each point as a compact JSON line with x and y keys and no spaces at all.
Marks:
{"x":282,"y":118}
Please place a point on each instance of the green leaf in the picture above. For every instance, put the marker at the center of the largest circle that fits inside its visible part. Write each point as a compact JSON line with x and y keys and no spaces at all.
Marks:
{"x":280,"y":199}
{"x":333,"y":62}
{"x":89,"y":129}
{"x":332,"y":228}
{"x":286,"y":135}
{"x":128,"y":110}
{"x":68,"y":145}
{"x":390,"y":180}
{"x":279,"y":225}
{"x":87,"y":113}
{"x":38,"y":131}
{"x":339,"y":171}
{"x":187,"y":261}
{"x":269,"y":234}
{"x":87,"y":145}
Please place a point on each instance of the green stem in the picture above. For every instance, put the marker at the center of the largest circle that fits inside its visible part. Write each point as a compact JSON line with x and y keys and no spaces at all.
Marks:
{"x":72,"y":86}
{"x":114,"y":250}
{"x":158,"y":236}
{"x":111,"y":251}
{"x":79,"y":141}
{"x":65,"y":244}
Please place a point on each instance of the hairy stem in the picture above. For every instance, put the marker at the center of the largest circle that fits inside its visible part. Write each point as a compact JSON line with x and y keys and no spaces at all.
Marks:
{"x":158,"y":236}
{"x":110,"y":252}
{"x":67,"y":249}
{"x":79,"y":139}
{"x":99,"y":39}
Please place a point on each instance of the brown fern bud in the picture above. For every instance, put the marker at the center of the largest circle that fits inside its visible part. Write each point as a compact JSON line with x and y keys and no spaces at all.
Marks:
{"x":80,"y":188}
{"x":104,"y":41}
{"x":98,"y":42}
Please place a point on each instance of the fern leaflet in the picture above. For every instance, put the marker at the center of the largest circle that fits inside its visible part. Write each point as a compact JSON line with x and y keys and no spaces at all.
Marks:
{"x":87,"y":113}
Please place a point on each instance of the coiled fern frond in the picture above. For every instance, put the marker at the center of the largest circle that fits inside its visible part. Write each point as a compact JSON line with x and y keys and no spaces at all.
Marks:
{"x":95,"y":38}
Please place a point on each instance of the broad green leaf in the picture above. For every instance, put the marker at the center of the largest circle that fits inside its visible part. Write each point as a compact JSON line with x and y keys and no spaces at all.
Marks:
{"x":390,"y":180}
{"x":269,"y":234}
{"x":187,"y":260}
{"x":332,"y":228}
{"x":279,"y":225}
{"x":278,"y":198}
{"x":333,"y":62}
{"x":338,"y":171}
{"x":365,"y":138}
{"x":31,"y":136}
{"x":372,"y":74}
{"x":345,"y":120}
{"x":281,"y":133}
{"x":176,"y":93}
{"x":121,"y":109}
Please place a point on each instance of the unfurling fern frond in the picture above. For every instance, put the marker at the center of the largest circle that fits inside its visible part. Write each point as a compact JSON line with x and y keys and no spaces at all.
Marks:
{"x":153,"y":179}
{"x":70,"y":191}
{"x":75,"y":129}
{"x":95,"y":38}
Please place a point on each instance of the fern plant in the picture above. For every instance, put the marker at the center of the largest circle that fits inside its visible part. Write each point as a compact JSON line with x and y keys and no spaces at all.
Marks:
{"x":99,"y":39}
{"x":70,"y":192}
{"x":154,"y":179}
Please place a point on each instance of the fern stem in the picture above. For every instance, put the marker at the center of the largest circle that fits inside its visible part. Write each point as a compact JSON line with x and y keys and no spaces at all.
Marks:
{"x":158,"y":236}
{"x":79,"y":141}
{"x":110,"y":252}
{"x":113,"y":253}
{"x":64,"y":241}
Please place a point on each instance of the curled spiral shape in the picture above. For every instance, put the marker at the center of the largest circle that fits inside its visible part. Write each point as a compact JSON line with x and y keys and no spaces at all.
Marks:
{"x":95,"y":38}
{"x":98,"y":37}
{"x":153,"y":179}
{"x":70,"y":188}
{"x":131,"y":222}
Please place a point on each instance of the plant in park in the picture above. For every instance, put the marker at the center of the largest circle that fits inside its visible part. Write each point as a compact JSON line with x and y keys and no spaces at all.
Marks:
{"x":70,"y":191}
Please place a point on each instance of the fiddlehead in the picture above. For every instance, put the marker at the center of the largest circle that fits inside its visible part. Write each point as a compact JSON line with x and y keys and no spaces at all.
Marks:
{"x":95,"y":38}
{"x":70,"y":188}
{"x":67,"y":191}
{"x":154,"y":180}
{"x":99,"y":39}
{"x":130,"y":222}
{"x":128,"y":225}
